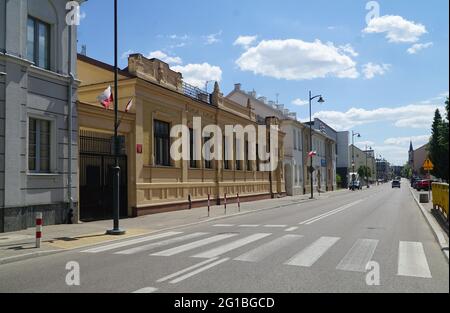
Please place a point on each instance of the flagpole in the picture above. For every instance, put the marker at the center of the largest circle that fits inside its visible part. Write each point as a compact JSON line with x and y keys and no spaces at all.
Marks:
{"x":116,"y":170}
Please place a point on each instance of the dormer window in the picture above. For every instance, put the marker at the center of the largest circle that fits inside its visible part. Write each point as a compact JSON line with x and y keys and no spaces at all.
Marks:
{"x":38,"y":42}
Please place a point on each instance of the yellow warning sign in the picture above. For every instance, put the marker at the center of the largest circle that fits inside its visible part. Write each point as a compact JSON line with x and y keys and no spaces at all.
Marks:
{"x":428,"y":165}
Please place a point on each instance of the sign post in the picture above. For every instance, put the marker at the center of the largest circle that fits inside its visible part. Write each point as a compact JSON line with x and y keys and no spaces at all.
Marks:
{"x":428,"y":166}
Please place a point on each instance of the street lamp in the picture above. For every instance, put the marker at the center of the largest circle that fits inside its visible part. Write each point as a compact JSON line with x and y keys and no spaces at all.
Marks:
{"x":116,"y":170}
{"x":311,"y":169}
{"x":354,"y":134}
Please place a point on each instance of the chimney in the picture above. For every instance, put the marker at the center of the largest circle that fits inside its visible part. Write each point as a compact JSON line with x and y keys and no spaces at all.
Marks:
{"x":237,"y":87}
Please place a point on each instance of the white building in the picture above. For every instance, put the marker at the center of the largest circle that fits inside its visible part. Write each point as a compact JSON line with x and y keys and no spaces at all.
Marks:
{"x":293,"y":144}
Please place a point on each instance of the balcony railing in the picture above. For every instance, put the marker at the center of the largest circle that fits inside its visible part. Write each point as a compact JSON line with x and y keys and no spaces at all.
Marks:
{"x":196,"y":93}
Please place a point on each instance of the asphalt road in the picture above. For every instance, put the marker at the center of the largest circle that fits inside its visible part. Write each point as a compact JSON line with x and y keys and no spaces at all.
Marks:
{"x":317,"y":246}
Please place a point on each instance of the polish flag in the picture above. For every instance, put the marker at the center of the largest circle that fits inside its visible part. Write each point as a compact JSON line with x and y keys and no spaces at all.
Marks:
{"x":312,"y":154}
{"x":106,"y":98}
{"x":129,"y":106}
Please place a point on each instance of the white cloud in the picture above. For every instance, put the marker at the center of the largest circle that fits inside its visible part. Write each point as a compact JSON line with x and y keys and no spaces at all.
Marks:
{"x":300,"y":102}
{"x":294,"y":59}
{"x":397,"y":29}
{"x":213,"y":38}
{"x":363,"y":144}
{"x":370,"y":70}
{"x":179,"y":37}
{"x":405,"y":141}
{"x":409,"y":116}
{"x":419,"y":46}
{"x":348,"y":49}
{"x":245,"y":41}
{"x":164,"y":57}
{"x":199,"y":74}
{"x":126,"y":54}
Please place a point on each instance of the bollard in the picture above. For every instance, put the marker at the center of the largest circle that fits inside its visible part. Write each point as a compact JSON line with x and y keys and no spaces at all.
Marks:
{"x":225,"y":203}
{"x":39,"y":224}
{"x":209,"y":205}
{"x":239,"y":202}
{"x":190,"y":202}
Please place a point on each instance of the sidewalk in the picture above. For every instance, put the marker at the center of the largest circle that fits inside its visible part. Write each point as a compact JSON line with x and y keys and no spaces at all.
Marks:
{"x":435,"y":220}
{"x":20,"y":245}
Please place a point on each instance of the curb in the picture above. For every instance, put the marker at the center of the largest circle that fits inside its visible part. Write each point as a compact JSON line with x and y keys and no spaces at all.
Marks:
{"x":28,"y":256}
{"x":435,"y":228}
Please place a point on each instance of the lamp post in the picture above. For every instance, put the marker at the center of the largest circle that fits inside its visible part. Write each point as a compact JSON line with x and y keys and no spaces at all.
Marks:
{"x":354,"y":134}
{"x":116,"y":170}
{"x":311,"y":169}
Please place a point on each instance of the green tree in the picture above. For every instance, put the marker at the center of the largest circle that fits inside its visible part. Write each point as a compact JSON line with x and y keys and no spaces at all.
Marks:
{"x":438,"y":148}
{"x":364,"y":171}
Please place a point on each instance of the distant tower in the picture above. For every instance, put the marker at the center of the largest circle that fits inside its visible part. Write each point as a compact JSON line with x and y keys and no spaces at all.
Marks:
{"x":411,"y":156}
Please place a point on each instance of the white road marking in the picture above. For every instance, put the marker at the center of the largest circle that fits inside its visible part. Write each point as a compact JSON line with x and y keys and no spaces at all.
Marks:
{"x":230,"y":246}
{"x":412,"y":260}
{"x":275,"y":226}
{"x":160,"y":244}
{"x":267,"y":249}
{"x":359,"y":255}
{"x":193,"y":245}
{"x":249,"y":226}
{"x":291,"y":229}
{"x":186,"y":270}
{"x":313,"y":253}
{"x":130,"y":242}
{"x":146,"y":290}
{"x":223,"y":225}
{"x":328,"y":214}
{"x":198,"y":271}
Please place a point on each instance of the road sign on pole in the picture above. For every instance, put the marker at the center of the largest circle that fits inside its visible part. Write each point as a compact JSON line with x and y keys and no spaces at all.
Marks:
{"x":428,"y":165}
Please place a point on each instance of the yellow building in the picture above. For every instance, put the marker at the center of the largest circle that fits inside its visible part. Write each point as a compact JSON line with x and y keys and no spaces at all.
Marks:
{"x":152,"y":181}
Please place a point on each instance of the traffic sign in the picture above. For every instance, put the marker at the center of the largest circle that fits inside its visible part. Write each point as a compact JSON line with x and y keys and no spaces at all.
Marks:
{"x":428,"y":165}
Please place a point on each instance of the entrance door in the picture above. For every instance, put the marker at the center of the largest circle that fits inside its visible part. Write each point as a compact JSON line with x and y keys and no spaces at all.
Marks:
{"x":96,"y":178}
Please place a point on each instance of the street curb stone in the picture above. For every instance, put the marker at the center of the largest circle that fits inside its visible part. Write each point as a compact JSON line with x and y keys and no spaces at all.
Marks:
{"x":437,"y":232}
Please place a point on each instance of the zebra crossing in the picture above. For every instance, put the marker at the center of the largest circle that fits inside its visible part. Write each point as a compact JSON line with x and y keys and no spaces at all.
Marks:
{"x":215,"y":248}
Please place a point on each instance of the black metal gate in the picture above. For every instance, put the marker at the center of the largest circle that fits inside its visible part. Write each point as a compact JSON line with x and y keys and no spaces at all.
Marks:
{"x":96,"y":177}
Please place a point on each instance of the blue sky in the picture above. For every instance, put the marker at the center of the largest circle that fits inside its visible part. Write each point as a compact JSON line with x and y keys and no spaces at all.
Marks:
{"x":383,"y":79}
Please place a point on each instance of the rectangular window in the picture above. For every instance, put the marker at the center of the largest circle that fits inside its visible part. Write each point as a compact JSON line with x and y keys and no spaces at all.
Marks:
{"x":247,"y":157}
{"x":38,"y":43}
{"x":295,"y":139}
{"x":192,"y":161}
{"x":207,"y":145}
{"x":258,"y":166}
{"x":39,"y":146}
{"x":226,"y":163}
{"x":238,"y":155}
{"x":162,"y":143}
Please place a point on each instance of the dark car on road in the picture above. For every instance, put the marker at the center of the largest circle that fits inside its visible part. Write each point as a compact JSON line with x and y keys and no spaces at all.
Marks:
{"x":396,"y":184}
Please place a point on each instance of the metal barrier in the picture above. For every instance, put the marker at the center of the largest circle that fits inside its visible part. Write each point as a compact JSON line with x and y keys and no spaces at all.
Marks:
{"x":440,"y":197}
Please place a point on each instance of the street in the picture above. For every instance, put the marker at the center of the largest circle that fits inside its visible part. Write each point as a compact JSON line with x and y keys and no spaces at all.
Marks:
{"x":316,"y":246}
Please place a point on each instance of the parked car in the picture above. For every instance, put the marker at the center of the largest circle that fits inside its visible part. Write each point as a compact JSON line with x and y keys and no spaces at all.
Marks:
{"x":396,"y":184}
{"x":423,"y":185}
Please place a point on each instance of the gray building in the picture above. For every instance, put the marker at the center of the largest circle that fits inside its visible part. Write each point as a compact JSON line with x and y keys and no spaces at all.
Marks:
{"x":341,"y":138}
{"x":37,"y":96}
